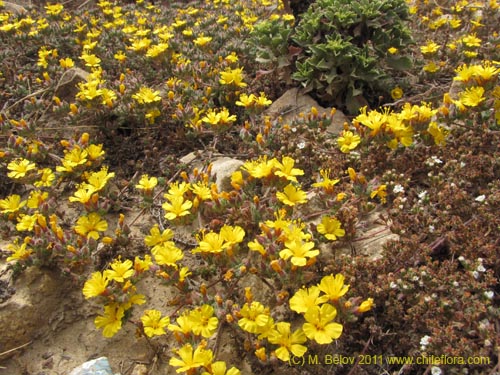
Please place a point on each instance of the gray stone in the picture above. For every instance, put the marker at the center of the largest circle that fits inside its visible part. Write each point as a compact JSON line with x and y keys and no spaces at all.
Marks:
{"x":27,"y":314}
{"x":67,"y":87}
{"x":13,"y":8}
{"x":222,"y":169}
{"x":222,"y":166}
{"x":292,"y":102}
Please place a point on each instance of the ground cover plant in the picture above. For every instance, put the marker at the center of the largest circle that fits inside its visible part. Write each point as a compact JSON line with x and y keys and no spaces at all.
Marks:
{"x":100,"y":101}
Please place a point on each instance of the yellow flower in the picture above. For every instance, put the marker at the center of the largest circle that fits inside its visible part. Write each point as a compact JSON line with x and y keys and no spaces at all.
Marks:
{"x":91,"y":60}
{"x":430,"y":48}
{"x":374,"y":120}
{"x":348,"y":141}
{"x":366,"y":305}
{"x":147,"y":183}
{"x":111,"y":321}
{"x":157,"y":50}
{"x":380,"y":192}
{"x":333,"y":287}
{"x":202,"y":40}
{"x":47,"y":177}
{"x":330,"y":228}
{"x":120,"y":270}
{"x":438,"y":133}
{"x":141,"y":44}
{"x":156,"y":237}
{"x":177,"y":189}
{"x":471,"y":40}
{"x":177,"y":207}
{"x":485,"y":73}
{"x":291,"y":195}
{"x":36,"y":198}
{"x":253,"y":316}
{"x":54,"y":9}
{"x":431,"y":67}
{"x":392,"y":50}
{"x":246,"y":100}
{"x":472,"y":96}
{"x":203,"y":321}
{"x":184,"y":325}
{"x":11,"y":204}
{"x":326,"y":183}
{"x":66,"y":63}
{"x":90,"y":225}
{"x":210,"y":242}
{"x":402,"y":133}
{"x":19,"y":252}
{"x":225,"y":118}
{"x":219,"y":368}
{"x":397,"y":93}
{"x":146,"y":96}
{"x":232,"y":77}
{"x":288,"y":342}
{"x":286,"y":169}
{"x":120,"y":56}
{"x":259,"y":168}
{"x":319,"y":326}
{"x":232,"y":235}
{"x":96,"y":285}
{"x":83,"y":194}
{"x":153,"y":324}
{"x":141,"y":265}
{"x":299,"y":251}
{"x":167,"y":254}
{"x":98,"y":180}
{"x":19,"y":168}
{"x":94,"y":152}
{"x":189,"y":359}
{"x":305,"y":298}
{"x":263,"y":101}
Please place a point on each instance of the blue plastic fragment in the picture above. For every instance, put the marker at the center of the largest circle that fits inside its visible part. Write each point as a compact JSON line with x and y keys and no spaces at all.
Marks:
{"x":99,"y":366}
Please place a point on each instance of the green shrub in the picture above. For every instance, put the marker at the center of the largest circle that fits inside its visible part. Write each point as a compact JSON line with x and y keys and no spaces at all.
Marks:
{"x":346,"y":49}
{"x":270,"y":45}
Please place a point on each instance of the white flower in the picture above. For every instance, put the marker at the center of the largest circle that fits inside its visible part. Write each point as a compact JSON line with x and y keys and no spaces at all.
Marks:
{"x":436,"y":370}
{"x":480,"y":268}
{"x":431,"y":228}
{"x":489,"y":294}
{"x":422,"y":194}
{"x":475,"y":274}
{"x":480,"y":198}
{"x":433,"y":160}
{"x":301,"y":145}
{"x":424,"y":341}
{"x":393,"y":285}
{"x":461,"y":258}
{"x":398,"y":189}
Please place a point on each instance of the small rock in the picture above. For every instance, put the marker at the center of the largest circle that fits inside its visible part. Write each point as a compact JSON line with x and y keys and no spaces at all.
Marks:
{"x":139,"y":370}
{"x":14,"y":8}
{"x":222,"y":169}
{"x":222,"y":166}
{"x":68,"y":85}
{"x":292,"y":102}
{"x":26,"y":314}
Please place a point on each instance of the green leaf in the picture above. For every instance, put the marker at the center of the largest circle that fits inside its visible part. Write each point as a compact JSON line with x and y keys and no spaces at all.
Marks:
{"x":399,"y":63}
